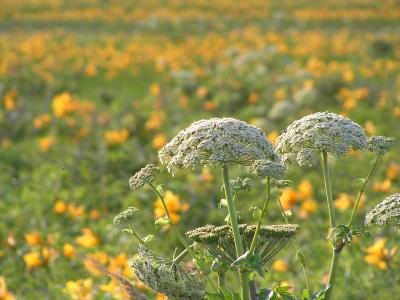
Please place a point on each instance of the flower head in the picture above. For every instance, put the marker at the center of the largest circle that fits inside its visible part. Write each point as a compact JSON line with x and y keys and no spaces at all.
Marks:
{"x":380,"y":144}
{"x":219,"y":239}
{"x":241,"y":184}
{"x":145,"y":176}
{"x":385,"y":213}
{"x":265,"y":168}
{"x":217,"y":141}
{"x":175,"y":281}
{"x":321,"y":131}
{"x":126,"y":215}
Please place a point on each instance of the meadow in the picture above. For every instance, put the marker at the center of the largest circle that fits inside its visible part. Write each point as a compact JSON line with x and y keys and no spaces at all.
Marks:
{"x":91,"y":90}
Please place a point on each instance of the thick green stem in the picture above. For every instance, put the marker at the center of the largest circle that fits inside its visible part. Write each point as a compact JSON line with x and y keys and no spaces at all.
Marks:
{"x":332,"y":273}
{"x":328,"y":189}
{"x":221,"y":279}
{"x":332,"y":218}
{"x":303,"y":265}
{"x":259,"y":222}
{"x":253,"y":290}
{"x":235,"y":230}
{"x":361,"y":192}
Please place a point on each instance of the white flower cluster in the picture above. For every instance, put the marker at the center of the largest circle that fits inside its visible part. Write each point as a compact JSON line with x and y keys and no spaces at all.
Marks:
{"x":385,"y":213}
{"x":175,"y":281}
{"x":304,"y":139}
{"x":265,"y":168}
{"x":145,"y":176}
{"x":380,"y":144}
{"x":216,"y":142}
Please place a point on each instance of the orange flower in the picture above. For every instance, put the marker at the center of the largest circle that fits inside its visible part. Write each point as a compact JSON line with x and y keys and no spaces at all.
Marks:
{"x":159,"y":141}
{"x":206,"y":175}
{"x":41,"y":121}
{"x":305,"y":189}
{"x":63,"y":104}
{"x":289,"y":198}
{"x":100,"y":257}
{"x":370,"y":128}
{"x":33,"y":238}
{"x":272,"y":136}
{"x":8,"y":100}
{"x":81,"y":289}
{"x":209,"y":105}
{"x":4,"y":293}
{"x":202,"y":92}
{"x":155,"y":90}
{"x":69,"y":250}
{"x":393,"y":171}
{"x":46,"y":143}
{"x":344,"y":201}
{"x":60,"y":207}
{"x":115,"y":137}
{"x":33,"y":260}
{"x":88,"y":239}
{"x":280,"y":266}
{"x":173,"y":204}
{"x":378,"y":255}
{"x":155,"y":121}
{"x":382,"y":186}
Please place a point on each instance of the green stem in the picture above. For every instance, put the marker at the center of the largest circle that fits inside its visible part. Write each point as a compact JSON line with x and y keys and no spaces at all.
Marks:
{"x":332,"y":218}
{"x":179,"y":235}
{"x":303,"y":265}
{"x":135,"y":234}
{"x":181,"y":256}
{"x":221,"y":279}
{"x":253,"y":289}
{"x":235,"y":230}
{"x":328,"y":189}
{"x":332,"y":273}
{"x":361,"y":192}
{"x":259,"y":222}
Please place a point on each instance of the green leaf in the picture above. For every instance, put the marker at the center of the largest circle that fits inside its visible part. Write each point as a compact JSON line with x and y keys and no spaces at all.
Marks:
{"x":320,"y":295}
{"x":162,"y":221}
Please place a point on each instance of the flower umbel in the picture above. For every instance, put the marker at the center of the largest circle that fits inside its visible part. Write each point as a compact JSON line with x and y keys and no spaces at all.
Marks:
{"x":380,"y":144}
{"x":385,"y":213}
{"x":177,"y":281}
{"x":126,"y":215}
{"x":268,"y":168}
{"x":216,"y":142}
{"x":322,"y":131}
{"x":145,"y":176}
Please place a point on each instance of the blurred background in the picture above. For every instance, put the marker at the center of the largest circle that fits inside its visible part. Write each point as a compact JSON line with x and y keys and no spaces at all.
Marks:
{"x":91,"y":90}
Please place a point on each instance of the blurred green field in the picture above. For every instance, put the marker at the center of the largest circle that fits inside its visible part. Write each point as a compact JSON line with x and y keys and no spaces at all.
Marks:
{"x":91,"y":90}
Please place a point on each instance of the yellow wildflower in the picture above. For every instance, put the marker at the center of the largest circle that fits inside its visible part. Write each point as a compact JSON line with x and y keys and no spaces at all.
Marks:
{"x":46,"y":143}
{"x":114,"y":137}
{"x":69,"y":250}
{"x":81,"y":289}
{"x":114,"y":289}
{"x":60,"y":207}
{"x":393,"y":171}
{"x":159,"y":141}
{"x":4,"y":293}
{"x":174,"y":206}
{"x":42,"y":120}
{"x":382,"y":186}
{"x":99,"y":257}
{"x":33,"y":238}
{"x":378,"y":255}
{"x":32,"y":260}
{"x":370,"y":128}
{"x":155,"y":90}
{"x":280,"y":266}
{"x":344,"y":201}
{"x":305,"y":189}
{"x":272,"y":136}
{"x":63,"y":104}
{"x":8,"y":100}
{"x":289,"y":198}
{"x":88,"y":239}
